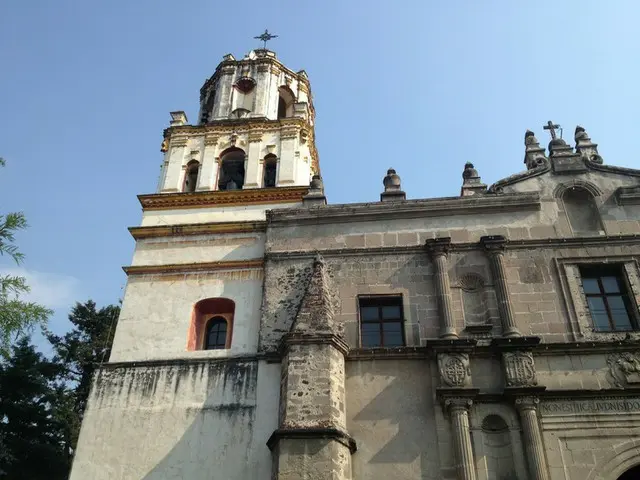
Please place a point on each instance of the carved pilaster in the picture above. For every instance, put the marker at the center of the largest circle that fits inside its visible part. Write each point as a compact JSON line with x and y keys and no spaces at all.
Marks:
{"x":494,"y":246}
{"x":454,"y":369}
{"x":458,"y":410}
{"x":527,"y":407}
{"x":519,"y":369}
{"x":438,"y":249}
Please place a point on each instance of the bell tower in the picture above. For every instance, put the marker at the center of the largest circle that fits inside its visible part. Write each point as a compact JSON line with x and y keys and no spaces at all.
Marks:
{"x":185,"y":377}
{"x":255,"y":130}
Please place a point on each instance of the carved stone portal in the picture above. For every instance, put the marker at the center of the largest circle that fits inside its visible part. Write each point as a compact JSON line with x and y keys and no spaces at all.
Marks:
{"x":624,"y":368}
{"x":455,"y":370}
{"x":519,"y":369}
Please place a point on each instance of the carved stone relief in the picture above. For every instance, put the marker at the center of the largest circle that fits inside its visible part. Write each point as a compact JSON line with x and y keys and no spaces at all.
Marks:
{"x":454,"y":368}
{"x":519,"y":369}
{"x":624,"y":368}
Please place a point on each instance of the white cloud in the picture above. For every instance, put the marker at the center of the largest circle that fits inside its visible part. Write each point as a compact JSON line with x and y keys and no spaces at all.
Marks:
{"x":49,"y":289}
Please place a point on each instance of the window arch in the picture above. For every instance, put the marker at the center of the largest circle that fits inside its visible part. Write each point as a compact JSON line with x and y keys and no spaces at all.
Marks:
{"x":285,"y":102}
{"x":581,"y":210}
{"x":191,"y":176}
{"x":211,"y":324}
{"x":270,"y":170}
{"x":497,"y":448}
{"x":231,"y":175}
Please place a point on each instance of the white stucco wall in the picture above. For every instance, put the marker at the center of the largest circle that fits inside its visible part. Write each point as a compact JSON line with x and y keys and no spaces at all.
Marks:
{"x":156,"y":314}
{"x":199,"y":248}
{"x":193,"y":421}
{"x":204,"y":215}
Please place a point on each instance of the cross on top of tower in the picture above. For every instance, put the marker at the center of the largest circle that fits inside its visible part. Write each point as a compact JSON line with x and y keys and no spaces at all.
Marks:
{"x":552,"y":128}
{"x":265,"y":37}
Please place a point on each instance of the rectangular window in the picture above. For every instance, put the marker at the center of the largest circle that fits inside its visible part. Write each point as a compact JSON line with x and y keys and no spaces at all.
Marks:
{"x":381,"y":321}
{"x":607,"y":297}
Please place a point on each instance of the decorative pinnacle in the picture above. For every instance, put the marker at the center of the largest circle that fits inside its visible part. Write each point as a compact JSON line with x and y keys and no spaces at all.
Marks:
{"x":265,"y":37}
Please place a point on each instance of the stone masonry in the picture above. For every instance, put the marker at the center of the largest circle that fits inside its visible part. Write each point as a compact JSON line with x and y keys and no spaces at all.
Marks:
{"x":268,"y":334}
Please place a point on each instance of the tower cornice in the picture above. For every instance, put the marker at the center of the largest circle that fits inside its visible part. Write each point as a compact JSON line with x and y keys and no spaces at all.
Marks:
{"x":226,"y":198}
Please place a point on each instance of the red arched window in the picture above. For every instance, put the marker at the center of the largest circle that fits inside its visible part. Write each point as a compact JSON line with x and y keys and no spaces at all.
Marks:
{"x":211,"y":324}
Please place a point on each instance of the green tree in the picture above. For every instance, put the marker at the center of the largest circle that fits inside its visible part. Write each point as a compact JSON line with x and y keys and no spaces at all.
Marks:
{"x":16,"y":316}
{"x":32,"y":435}
{"x":80,"y":352}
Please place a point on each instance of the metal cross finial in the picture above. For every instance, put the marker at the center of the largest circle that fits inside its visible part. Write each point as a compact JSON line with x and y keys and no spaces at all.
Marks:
{"x":265,"y":37}
{"x":552,"y":128}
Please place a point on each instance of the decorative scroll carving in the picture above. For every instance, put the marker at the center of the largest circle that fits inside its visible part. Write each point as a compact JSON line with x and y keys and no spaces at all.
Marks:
{"x":455,"y":370}
{"x":624,"y":368}
{"x":458,"y":403}
{"x":255,"y":137}
{"x":179,"y":141}
{"x":210,"y":140}
{"x":519,"y":369}
{"x":527,"y":403}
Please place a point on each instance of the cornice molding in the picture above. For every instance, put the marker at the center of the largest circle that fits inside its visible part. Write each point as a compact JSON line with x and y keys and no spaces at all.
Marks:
{"x":365,"y":212}
{"x":219,"y":198}
{"x":194,"y":267}
{"x":156,"y":231}
{"x":601,"y":241}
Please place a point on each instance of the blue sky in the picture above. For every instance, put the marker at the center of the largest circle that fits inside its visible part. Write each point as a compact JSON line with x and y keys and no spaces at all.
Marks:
{"x":421,"y":86}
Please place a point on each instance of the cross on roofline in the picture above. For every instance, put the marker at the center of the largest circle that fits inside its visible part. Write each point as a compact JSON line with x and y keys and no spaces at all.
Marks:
{"x":265,"y":37}
{"x":552,"y":129}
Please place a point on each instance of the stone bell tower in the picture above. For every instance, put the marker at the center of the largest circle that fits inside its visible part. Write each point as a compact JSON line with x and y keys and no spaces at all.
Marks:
{"x":185,"y":377}
{"x":254,"y":130}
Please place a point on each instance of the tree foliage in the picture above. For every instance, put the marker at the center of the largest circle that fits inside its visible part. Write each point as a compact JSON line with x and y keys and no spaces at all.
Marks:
{"x":42,"y":400}
{"x":81,"y":350}
{"x":16,"y":316}
{"x":31,"y":431}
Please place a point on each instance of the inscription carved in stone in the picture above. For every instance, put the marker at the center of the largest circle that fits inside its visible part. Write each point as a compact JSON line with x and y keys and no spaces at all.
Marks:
{"x":455,"y":370}
{"x":605,"y":405}
{"x":519,"y":369}
{"x":624,"y":368}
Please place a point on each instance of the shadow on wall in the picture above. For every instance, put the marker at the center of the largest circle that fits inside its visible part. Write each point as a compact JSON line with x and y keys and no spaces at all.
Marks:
{"x":200,"y":419}
{"x":391,"y":416}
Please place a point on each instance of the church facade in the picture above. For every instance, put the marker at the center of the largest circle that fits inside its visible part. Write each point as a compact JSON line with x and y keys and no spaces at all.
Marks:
{"x":266,"y":334}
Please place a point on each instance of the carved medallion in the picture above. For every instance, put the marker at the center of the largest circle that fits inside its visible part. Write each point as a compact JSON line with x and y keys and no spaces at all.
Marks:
{"x":624,"y":368}
{"x":454,"y":369}
{"x":519,"y":369}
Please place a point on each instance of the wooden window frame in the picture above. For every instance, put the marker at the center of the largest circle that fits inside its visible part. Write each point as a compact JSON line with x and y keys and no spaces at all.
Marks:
{"x":227,"y":337}
{"x":597,"y":272}
{"x":381,"y":301}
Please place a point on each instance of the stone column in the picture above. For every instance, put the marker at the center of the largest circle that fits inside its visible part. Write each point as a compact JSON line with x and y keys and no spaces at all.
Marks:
{"x":209,"y":167}
{"x":288,"y":160}
{"x":458,"y":409}
{"x":438,"y":250}
{"x":494,"y":246}
{"x":253,"y":172}
{"x":533,"y":444}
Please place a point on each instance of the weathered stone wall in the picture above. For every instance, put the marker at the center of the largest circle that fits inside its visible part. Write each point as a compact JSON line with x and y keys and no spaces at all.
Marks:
{"x":191,"y":420}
